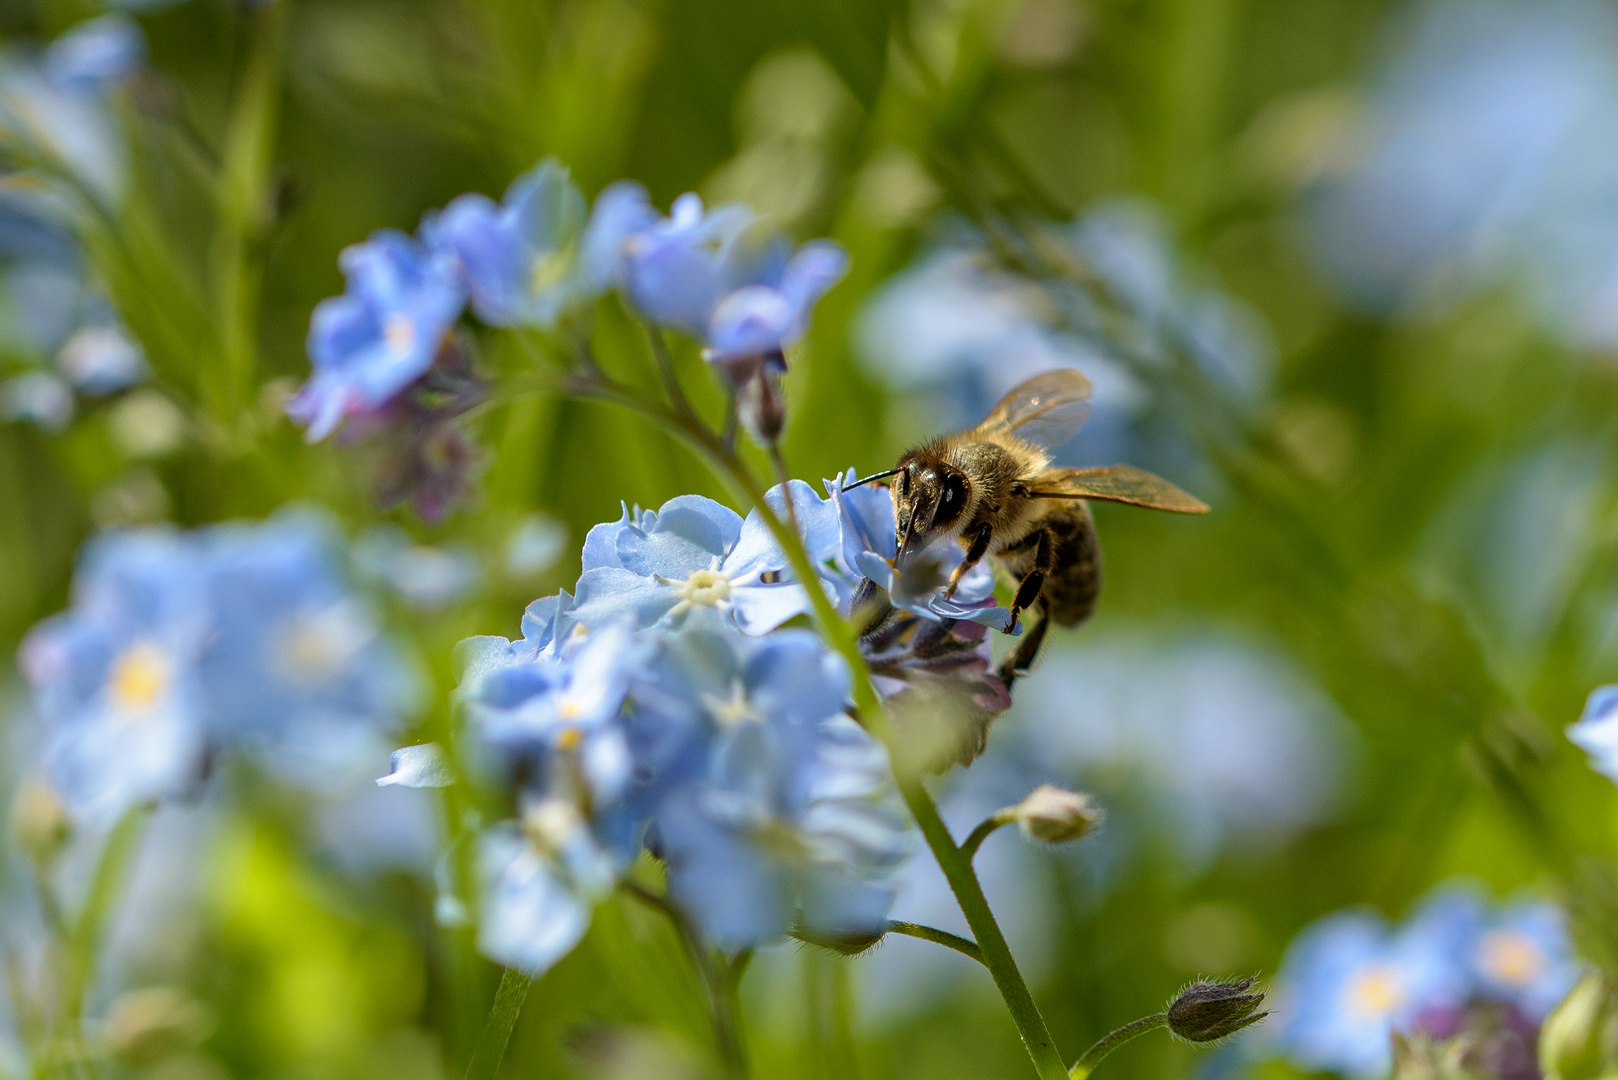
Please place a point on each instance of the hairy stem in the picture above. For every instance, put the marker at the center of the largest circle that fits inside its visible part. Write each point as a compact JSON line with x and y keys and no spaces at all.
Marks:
{"x":497,"y":1029}
{"x":985,"y":829}
{"x":937,"y":937}
{"x":840,"y":636}
{"x":1108,"y":1043}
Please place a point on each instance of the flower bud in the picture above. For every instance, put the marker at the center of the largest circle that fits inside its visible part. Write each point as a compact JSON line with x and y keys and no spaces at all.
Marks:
{"x":1576,"y":1039}
{"x":146,"y":1026}
{"x":39,"y":822}
{"x":1207,"y":1011}
{"x":1054,"y":815}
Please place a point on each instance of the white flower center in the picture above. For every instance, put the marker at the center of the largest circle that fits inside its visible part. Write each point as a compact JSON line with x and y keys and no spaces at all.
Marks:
{"x":140,"y":678}
{"x":705,"y":588}
{"x":550,"y":824}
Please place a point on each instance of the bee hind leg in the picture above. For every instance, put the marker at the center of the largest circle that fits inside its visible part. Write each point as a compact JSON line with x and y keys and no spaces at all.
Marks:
{"x":1034,"y":581}
{"x":1019,"y":660}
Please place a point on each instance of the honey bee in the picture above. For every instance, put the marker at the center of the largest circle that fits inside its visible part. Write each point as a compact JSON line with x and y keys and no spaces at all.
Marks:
{"x":992,"y":489}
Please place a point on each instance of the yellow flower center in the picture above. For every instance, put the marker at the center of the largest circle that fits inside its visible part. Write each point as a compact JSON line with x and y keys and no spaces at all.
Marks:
{"x":316,"y":647}
{"x":1376,"y":991}
{"x":705,"y":588}
{"x":399,"y":332}
{"x":549,"y":269}
{"x":139,"y":678}
{"x":729,"y":711}
{"x":1511,"y":958}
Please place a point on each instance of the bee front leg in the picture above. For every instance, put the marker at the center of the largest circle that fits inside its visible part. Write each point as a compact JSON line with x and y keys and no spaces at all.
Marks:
{"x":1028,"y":590}
{"x":974,"y":555}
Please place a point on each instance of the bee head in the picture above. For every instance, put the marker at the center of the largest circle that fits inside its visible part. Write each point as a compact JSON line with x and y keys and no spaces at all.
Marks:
{"x":930,"y":497}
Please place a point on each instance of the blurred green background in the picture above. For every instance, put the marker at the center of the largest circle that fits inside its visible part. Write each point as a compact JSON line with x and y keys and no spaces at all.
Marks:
{"x":1419,"y":517}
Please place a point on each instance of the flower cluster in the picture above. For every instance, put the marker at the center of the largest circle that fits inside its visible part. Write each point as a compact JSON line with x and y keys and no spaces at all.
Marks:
{"x":542,"y":256}
{"x":1349,"y":982}
{"x":665,"y":704}
{"x":182,"y":646}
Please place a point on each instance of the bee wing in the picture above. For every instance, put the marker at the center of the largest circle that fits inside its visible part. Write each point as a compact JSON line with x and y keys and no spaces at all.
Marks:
{"x":1048,"y":409}
{"x":1116,"y":483}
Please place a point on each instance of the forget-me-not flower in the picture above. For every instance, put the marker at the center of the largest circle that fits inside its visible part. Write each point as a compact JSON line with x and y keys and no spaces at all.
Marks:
{"x":115,"y":678}
{"x":1596,"y":733}
{"x":791,"y":815}
{"x":696,"y":555}
{"x":297,"y":667}
{"x":96,"y":53}
{"x":382,"y":334}
{"x":535,"y":255}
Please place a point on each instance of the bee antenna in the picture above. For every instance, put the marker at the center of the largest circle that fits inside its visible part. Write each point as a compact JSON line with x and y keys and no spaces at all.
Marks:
{"x":873,"y":476}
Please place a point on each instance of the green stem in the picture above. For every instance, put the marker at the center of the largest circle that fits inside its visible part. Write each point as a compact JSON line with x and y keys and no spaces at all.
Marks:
{"x":497,"y":1030}
{"x":1108,"y":1043}
{"x":840,"y":636}
{"x":88,"y":929}
{"x":937,"y":937}
{"x":985,"y":829}
{"x":244,"y":206}
{"x":719,"y":980}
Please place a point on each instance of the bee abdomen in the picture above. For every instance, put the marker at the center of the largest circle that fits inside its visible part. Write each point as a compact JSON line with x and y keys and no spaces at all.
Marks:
{"x":1071,"y":589}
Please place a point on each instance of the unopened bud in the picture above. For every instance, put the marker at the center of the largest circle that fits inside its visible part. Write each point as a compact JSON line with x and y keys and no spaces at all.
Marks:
{"x":146,"y":1026}
{"x":1207,"y":1011}
{"x":1577,"y":1038}
{"x":1055,"y":815}
{"x":40,"y":824}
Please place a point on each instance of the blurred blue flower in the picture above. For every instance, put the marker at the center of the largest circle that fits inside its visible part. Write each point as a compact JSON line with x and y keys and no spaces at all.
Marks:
{"x":382,"y":334}
{"x":115,"y":678}
{"x":621,"y":211}
{"x":430,"y":578}
{"x":1523,"y":956}
{"x":1596,"y":733}
{"x":694,"y":554}
{"x":38,"y":397}
{"x":539,"y":878}
{"x":1204,"y":739}
{"x":771,"y":311}
{"x":1348,"y":982}
{"x":298,"y":668}
{"x":101,"y":359}
{"x":238,"y":638}
{"x":792,"y":817}
{"x":96,"y":53}
{"x":678,"y":268}
{"x":1484,"y":156}
{"x":714,"y":275}
{"x":519,"y":256}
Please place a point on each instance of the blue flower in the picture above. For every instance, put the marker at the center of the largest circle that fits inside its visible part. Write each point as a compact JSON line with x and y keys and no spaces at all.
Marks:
{"x":519,"y":257}
{"x":715,"y":276}
{"x":101,"y":359}
{"x":1522,"y":956}
{"x":868,"y":542}
{"x":1348,"y":983}
{"x":540,"y":877}
{"x":694,"y":555}
{"x":96,"y":53}
{"x":790,"y":816}
{"x":297,"y":669}
{"x":1596,"y":733}
{"x":115,"y":678}
{"x":677,"y":269}
{"x":382,"y":334}
{"x":556,"y":718}
{"x":772,"y":311}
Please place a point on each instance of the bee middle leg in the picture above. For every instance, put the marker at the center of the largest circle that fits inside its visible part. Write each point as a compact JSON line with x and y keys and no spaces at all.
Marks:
{"x":1034,"y":581}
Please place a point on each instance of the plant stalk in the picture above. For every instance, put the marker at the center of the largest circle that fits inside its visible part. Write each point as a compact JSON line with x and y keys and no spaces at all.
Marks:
{"x":497,"y":1029}
{"x":1108,"y":1043}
